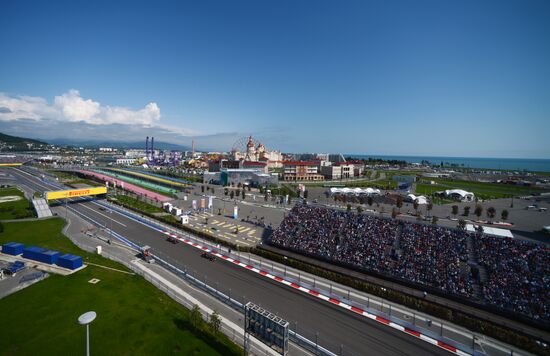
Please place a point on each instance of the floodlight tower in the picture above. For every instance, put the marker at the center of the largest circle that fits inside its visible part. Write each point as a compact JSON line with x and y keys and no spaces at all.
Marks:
{"x":147,"y":148}
{"x":86,"y":319}
{"x":153,"y":149}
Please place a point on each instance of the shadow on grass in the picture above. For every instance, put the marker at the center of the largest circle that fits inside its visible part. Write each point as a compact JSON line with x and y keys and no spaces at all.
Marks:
{"x":203,"y":332}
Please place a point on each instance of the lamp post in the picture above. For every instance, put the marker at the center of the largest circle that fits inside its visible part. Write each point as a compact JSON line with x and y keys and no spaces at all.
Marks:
{"x":86,"y":319}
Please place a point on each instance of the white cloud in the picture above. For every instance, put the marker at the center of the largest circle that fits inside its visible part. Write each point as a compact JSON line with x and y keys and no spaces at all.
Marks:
{"x":74,"y":108}
{"x":71,"y":107}
{"x":25,"y":107}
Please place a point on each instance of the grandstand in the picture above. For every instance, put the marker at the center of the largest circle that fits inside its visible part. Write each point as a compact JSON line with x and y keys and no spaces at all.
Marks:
{"x":172,"y":182}
{"x":515,"y":274}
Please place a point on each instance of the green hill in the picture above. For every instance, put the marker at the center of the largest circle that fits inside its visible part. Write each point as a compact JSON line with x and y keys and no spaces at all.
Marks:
{"x":14,"y":143}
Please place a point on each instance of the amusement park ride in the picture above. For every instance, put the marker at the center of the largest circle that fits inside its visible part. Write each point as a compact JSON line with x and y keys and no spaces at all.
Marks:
{"x":162,"y":158}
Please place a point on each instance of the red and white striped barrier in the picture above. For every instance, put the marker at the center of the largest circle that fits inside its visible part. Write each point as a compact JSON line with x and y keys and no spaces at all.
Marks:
{"x":323,"y":297}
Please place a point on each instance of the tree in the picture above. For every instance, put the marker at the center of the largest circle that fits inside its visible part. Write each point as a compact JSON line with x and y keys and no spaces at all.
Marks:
{"x":232,"y":194}
{"x":195,"y":316}
{"x":399,"y":202}
{"x":289,"y":199}
{"x":462,"y":224}
{"x":504,"y":214}
{"x":243,"y":194}
{"x":202,"y":188}
{"x":359,"y":209}
{"x":434,"y":220}
{"x":225,"y":191}
{"x":466,"y":211}
{"x":238,"y":192}
{"x":491,"y":212}
{"x":349,"y":207}
{"x":370,"y":200}
{"x":215,"y":322}
{"x":306,"y":194}
{"x":415,"y":206}
{"x":454,"y":210}
{"x":478,"y":211}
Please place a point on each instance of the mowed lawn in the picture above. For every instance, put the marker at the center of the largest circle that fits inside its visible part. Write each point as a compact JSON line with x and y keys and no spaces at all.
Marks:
{"x":17,"y":209}
{"x":134,"y":318}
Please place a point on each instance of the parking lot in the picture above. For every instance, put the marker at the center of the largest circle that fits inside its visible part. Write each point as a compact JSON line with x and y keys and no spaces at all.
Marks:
{"x":10,"y":284}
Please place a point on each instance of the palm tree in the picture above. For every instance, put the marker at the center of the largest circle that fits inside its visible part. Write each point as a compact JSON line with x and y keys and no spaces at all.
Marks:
{"x":491,"y":212}
{"x":455,"y":210}
{"x":370,"y":200}
{"x":399,"y":202}
{"x":478,"y":211}
{"x":504,"y":214}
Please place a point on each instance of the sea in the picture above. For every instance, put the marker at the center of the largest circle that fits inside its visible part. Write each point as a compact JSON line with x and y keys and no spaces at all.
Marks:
{"x":519,"y":164}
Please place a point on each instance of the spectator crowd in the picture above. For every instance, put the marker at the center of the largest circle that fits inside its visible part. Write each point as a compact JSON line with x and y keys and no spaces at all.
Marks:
{"x":426,"y":255}
{"x":518,"y":275}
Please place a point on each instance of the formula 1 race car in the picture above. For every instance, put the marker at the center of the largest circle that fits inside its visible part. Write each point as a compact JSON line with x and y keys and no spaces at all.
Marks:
{"x":208,"y":256}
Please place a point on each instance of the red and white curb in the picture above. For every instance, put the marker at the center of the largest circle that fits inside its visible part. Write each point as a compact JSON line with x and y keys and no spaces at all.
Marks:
{"x":316,"y":294}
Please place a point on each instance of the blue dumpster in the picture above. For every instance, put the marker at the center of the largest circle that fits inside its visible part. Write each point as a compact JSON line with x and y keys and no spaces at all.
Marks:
{"x":13,"y":248}
{"x":69,"y":261}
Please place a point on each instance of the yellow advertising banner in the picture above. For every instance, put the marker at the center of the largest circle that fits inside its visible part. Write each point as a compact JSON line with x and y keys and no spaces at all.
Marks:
{"x":73,"y":193}
{"x":10,"y":164}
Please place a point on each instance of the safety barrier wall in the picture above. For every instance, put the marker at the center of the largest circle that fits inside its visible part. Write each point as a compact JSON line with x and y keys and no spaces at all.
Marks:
{"x":233,"y":303}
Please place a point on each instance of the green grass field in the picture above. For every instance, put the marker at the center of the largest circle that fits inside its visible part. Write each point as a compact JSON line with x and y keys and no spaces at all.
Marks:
{"x":130,"y":202}
{"x":134,"y":318}
{"x":15,"y":209}
{"x":72,"y":179}
{"x":481,"y":190}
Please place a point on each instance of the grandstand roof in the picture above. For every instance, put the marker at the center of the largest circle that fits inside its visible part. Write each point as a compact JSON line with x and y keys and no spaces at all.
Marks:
{"x":491,"y":231}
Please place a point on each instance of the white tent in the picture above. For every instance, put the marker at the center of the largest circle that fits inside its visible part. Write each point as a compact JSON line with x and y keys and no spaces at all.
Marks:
{"x":421,"y":200}
{"x":460,"y":194}
{"x":354,"y":191}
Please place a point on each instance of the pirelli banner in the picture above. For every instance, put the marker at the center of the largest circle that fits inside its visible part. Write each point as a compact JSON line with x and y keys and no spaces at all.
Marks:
{"x":73,"y":193}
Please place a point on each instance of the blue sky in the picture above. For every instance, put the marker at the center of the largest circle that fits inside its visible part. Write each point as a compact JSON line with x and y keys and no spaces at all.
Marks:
{"x":456,"y":78}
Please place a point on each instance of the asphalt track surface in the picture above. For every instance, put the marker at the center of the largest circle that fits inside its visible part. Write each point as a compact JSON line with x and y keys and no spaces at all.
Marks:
{"x":335,"y":327}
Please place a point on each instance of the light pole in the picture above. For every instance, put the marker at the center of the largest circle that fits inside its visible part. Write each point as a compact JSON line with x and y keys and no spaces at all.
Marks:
{"x":86,"y":319}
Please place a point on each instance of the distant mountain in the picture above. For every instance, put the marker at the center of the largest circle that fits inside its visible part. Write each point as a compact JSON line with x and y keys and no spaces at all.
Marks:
{"x":117,"y":144}
{"x":14,"y":143}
